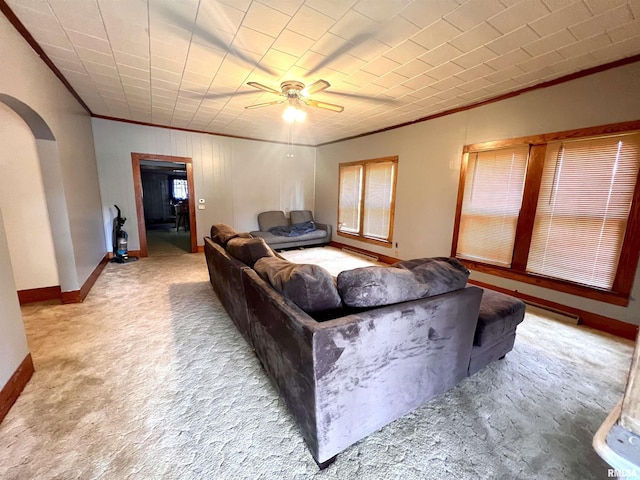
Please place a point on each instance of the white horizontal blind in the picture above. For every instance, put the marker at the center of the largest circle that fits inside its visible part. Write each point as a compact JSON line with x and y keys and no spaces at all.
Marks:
{"x":491,"y":204}
{"x":583,"y":208}
{"x":378,"y":196}
{"x":349,"y":198}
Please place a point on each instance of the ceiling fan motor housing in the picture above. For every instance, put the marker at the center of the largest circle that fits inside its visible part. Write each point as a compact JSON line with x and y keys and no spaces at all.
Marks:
{"x":296,"y":94}
{"x":292,"y":88}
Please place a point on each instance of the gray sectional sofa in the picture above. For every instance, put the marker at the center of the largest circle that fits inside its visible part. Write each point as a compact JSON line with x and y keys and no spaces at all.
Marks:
{"x":345,"y":371}
{"x":275,"y":221}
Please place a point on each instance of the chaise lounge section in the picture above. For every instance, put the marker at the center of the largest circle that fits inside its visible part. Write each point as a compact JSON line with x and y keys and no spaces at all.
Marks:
{"x":495,"y":335}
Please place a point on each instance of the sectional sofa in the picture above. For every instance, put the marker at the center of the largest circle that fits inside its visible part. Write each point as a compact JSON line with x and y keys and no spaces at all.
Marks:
{"x":346,"y":359}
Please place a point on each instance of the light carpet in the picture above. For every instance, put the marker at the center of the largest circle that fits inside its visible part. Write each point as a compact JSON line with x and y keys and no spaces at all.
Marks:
{"x":149,"y":379}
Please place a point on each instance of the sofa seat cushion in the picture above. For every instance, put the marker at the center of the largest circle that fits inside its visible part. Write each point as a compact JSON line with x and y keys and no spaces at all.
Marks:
{"x":221,"y":234}
{"x":271,"y":238}
{"x":403,"y":281}
{"x":310,"y":287}
{"x":499,"y":315}
{"x":249,"y":250}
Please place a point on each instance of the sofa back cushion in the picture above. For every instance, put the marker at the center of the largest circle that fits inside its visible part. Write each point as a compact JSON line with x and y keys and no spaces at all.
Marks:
{"x":442,"y":274}
{"x":376,"y":286}
{"x":404,"y":281}
{"x":300,"y":216}
{"x":310,"y":287}
{"x":221,"y":234}
{"x":274,"y":218}
{"x":249,"y":250}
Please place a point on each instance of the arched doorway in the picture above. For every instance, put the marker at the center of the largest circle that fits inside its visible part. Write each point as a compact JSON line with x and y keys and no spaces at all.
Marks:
{"x":48,"y":156}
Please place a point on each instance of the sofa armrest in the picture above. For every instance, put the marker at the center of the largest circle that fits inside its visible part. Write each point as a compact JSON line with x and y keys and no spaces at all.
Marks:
{"x":325,"y":227}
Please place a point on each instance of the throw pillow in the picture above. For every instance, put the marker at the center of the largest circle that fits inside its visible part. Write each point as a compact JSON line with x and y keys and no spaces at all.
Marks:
{"x":249,"y":250}
{"x":310,"y":287}
{"x":441,"y":274}
{"x":377,"y":286}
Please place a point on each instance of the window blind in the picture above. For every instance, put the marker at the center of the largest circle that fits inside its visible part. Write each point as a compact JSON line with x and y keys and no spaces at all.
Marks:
{"x":378,"y":197}
{"x":491,"y":203}
{"x":349,"y":198}
{"x":583,"y":208}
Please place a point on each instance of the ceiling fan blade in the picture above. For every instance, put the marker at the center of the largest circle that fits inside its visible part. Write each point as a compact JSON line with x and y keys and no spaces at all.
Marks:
{"x":260,"y":105}
{"x":264,"y":87}
{"x":315,"y":87}
{"x":344,"y":48}
{"x":189,"y":24}
{"x":323,"y":105}
{"x":381,"y":100}
{"x":215,"y":96}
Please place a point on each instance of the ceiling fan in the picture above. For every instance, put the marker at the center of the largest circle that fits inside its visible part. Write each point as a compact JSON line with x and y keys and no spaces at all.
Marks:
{"x":296,"y":94}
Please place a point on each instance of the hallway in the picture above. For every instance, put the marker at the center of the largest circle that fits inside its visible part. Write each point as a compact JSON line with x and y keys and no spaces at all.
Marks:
{"x":163,"y":240}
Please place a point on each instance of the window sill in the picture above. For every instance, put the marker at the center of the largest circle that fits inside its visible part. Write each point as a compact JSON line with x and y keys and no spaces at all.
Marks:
{"x":607,"y":296}
{"x":355,"y":236}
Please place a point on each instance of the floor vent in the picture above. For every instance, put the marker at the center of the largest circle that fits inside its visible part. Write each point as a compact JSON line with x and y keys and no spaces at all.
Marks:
{"x":373,"y":258}
{"x":553,"y":313}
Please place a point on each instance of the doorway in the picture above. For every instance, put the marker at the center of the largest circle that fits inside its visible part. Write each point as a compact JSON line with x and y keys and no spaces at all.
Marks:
{"x":165,"y":204}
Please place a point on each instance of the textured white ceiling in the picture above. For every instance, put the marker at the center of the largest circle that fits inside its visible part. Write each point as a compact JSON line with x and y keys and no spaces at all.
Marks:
{"x":186,"y":63}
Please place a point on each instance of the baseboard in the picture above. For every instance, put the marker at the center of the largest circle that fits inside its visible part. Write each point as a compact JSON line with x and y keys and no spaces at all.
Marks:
{"x":78,"y":296}
{"x":12,"y":390}
{"x":383,"y":258}
{"x":132,"y":253}
{"x":200,"y":248}
{"x":589,"y":319}
{"x":54,"y":293}
{"x":73,"y":296}
{"x":43,"y":294}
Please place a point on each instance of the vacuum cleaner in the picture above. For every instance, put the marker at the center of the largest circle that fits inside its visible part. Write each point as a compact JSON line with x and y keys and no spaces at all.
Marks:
{"x":120,"y":240}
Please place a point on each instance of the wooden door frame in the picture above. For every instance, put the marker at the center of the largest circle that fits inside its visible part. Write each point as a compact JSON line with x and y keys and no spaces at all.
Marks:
{"x":137,"y":188}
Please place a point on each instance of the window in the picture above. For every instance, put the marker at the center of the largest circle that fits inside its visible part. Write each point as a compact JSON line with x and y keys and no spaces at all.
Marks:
{"x":179,"y":188}
{"x":583,"y":207}
{"x":366,"y":199}
{"x":490,"y":209}
{"x":555,"y":210}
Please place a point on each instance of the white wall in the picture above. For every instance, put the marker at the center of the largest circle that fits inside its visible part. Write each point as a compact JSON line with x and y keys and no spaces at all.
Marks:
{"x":26,"y":78}
{"x":13,"y":342}
{"x":23,"y":202}
{"x":429,"y":166}
{"x":237,"y":178}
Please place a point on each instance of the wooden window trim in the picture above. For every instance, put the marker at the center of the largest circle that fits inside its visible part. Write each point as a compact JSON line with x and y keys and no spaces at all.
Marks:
{"x":524,"y":229}
{"x":392,"y":207}
{"x":628,"y":262}
{"x":594,"y":293}
{"x":362,"y":238}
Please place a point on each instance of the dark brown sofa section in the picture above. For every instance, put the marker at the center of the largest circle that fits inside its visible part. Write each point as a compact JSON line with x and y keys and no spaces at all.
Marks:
{"x":354,"y":373}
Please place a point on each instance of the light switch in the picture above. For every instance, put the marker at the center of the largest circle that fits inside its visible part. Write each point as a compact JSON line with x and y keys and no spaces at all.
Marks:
{"x":201,"y":207}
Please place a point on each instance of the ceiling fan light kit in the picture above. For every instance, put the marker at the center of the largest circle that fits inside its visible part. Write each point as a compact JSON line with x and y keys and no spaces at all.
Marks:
{"x":295,"y":94}
{"x":294,"y":114}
